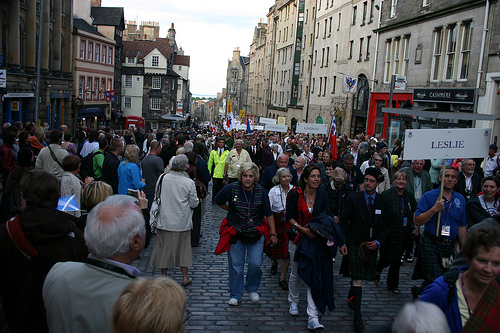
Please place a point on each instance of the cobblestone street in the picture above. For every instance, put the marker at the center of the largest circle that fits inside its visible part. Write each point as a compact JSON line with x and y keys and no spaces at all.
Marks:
{"x":208,"y":294}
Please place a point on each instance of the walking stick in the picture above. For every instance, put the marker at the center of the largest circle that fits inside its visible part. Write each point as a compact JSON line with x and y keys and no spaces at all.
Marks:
{"x":443,"y":169}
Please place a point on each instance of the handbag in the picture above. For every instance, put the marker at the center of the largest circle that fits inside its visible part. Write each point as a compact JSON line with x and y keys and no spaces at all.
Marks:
{"x":155,"y":207}
{"x":201,"y":188}
{"x":248,"y":235}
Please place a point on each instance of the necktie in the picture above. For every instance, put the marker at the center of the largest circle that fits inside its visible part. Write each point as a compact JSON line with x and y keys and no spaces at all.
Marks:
{"x":370,"y":203}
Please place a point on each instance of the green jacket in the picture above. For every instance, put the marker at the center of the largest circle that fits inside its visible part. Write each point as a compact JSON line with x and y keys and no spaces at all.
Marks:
{"x":219,"y":162}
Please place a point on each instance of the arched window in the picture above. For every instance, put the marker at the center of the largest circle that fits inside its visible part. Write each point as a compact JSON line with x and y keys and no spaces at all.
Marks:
{"x":361,"y":97}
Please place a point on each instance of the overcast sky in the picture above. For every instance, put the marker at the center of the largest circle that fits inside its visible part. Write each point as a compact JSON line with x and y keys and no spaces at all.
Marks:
{"x":208,"y":31}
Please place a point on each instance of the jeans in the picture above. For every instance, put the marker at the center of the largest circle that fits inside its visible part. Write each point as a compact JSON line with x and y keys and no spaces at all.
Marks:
{"x":293,"y":285}
{"x":237,"y":255}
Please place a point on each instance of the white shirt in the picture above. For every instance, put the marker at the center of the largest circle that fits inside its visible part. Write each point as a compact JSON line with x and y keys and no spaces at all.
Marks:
{"x":491,"y":164}
{"x":277,"y":198}
{"x":89,"y":147}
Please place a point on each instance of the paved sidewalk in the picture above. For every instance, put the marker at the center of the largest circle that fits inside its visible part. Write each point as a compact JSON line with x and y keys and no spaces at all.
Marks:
{"x":207,"y":296}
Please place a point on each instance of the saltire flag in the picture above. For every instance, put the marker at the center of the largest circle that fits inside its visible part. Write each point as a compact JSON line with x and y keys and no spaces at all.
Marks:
{"x":332,"y":138}
{"x":249,"y":130}
{"x":350,"y":83}
{"x":67,"y":204}
{"x":230,"y":124}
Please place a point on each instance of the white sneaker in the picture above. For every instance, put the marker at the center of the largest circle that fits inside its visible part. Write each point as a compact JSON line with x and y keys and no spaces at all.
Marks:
{"x":233,"y":302}
{"x":254,"y":297}
{"x":313,"y":324}
{"x":294,"y":309}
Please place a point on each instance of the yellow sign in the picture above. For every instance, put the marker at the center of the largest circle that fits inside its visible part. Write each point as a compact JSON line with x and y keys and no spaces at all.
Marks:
{"x":282,"y":120}
{"x":14,"y":106}
{"x":242,"y":114}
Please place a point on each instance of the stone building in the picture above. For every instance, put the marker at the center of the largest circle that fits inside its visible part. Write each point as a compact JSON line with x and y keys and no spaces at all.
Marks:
{"x":20,"y":23}
{"x":237,"y":81}
{"x":257,"y":78}
{"x":442,"y":48}
{"x":147,"y":30}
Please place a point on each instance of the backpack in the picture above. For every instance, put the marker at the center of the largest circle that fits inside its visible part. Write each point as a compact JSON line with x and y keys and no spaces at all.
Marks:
{"x":87,"y":165}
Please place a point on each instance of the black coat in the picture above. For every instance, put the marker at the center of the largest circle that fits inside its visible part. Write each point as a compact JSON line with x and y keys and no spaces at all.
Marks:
{"x":356,"y":220}
{"x":266,"y":181}
{"x":460,"y":186}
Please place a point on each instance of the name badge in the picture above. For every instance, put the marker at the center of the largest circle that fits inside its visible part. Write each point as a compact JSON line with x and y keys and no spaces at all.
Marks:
{"x":445,"y":230}
{"x":405,"y":222}
{"x":378,"y":211}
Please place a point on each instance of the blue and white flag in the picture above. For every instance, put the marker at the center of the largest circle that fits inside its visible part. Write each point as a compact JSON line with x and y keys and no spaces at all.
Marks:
{"x":67,"y":204}
{"x":249,"y":130}
{"x":350,"y":83}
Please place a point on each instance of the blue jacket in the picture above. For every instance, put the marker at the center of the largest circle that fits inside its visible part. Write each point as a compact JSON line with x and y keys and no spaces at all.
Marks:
{"x":437,"y":293}
{"x":129,"y":176}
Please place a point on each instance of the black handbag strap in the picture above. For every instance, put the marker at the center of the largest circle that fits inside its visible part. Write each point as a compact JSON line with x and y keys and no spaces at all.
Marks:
{"x":54,"y":157}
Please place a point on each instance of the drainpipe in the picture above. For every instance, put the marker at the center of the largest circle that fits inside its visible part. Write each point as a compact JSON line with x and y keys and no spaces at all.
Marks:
{"x":312,"y":55}
{"x":483,"y":42}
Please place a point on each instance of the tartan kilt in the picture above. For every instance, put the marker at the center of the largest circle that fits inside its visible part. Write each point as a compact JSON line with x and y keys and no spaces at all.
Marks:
{"x":428,"y":265}
{"x":280,"y":250}
{"x":359,"y":270}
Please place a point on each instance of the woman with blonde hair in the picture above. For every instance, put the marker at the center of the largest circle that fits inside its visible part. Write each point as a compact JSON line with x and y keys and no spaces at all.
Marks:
{"x":150,"y":306}
{"x":94,"y":193}
{"x":129,"y":172}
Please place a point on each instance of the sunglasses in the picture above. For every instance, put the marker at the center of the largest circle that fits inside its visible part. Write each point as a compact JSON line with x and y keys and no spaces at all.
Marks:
{"x":378,"y":160}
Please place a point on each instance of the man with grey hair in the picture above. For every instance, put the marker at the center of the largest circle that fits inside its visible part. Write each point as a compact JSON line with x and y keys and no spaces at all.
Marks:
{"x":468,"y":181}
{"x":236,"y":157}
{"x":188,"y":147}
{"x":79,"y":297}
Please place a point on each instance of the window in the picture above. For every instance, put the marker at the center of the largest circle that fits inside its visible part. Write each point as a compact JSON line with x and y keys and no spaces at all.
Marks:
{"x":128,"y":81}
{"x":96,"y":88}
{"x":393,"y":7}
{"x":156,"y":82}
{"x":463,"y":64}
{"x":426,"y":3}
{"x":326,"y":28}
{"x":340,"y":18}
{"x":327,"y":55}
{"x":387,"y":65}
{"x":97,"y":52}
{"x":324,"y":86}
{"x":103,"y":87}
{"x":130,"y":60}
{"x":296,"y":69}
{"x":82,"y":49}
{"x":89,"y":88}
{"x":179,"y":86}
{"x":323,"y":58}
{"x":351,"y":45}
{"x":110,"y":56}
{"x":104,"y":49}
{"x":155,"y":103}
{"x":128,"y":102}
{"x":372,"y":10}
{"x":336,"y":52}
{"x":436,"y":54}
{"x":365,"y":9}
{"x":315,"y":57}
{"x":361,"y":40}
{"x":396,"y":56}
{"x":334,"y":84}
{"x":354,"y":14}
{"x":320,"y":85}
{"x":451,"y":47}
{"x":317,"y":31}
{"x":110,"y":84}
{"x":155,"y":61}
{"x":330,"y":27}
{"x":180,"y":68}
{"x":368,"y":39}
{"x":312,"y":86}
{"x":90,"y":51}
{"x":81,"y":87}
{"x":406,"y":55}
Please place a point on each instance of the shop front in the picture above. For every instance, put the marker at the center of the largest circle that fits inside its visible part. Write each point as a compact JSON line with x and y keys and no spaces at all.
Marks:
{"x":92,"y":116}
{"x":17,"y":106}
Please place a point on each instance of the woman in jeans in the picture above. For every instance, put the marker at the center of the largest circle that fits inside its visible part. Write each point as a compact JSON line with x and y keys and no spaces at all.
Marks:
{"x":247,"y":204}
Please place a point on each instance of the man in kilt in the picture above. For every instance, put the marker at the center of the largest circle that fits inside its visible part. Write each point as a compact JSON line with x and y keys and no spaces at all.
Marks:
{"x":437,"y":248}
{"x":365,"y":223}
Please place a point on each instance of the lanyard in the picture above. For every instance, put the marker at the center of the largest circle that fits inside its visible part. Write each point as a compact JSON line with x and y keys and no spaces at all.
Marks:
{"x":447,"y":212}
{"x":490,"y":210}
{"x":248,"y":201}
{"x":463,"y":291}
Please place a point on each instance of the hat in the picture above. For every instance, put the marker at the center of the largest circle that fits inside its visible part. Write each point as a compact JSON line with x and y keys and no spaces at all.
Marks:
{"x":381,"y":145}
{"x":494,"y":147}
{"x":288,"y":148}
{"x":376,"y":173}
{"x":199,"y":136}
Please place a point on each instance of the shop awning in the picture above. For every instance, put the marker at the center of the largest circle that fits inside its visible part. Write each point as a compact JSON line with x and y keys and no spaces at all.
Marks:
{"x":434,"y":114}
{"x":172,"y":117}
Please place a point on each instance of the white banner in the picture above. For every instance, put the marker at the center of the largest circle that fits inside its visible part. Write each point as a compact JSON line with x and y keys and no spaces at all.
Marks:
{"x":258,"y":128}
{"x":312,"y":128}
{"x":446,"y":143}
{"x":3,"y":78}
{"x":276,"y":128}
{"x":263,"y":120}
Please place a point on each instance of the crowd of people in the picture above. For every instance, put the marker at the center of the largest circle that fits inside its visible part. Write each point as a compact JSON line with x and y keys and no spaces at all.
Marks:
{"x":286,"y":197}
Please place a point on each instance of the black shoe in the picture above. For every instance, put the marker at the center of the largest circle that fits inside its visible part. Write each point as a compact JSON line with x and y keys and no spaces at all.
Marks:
{"x":274,"y":269}
{"x":358,"y":325}
{"x":283,"y":285}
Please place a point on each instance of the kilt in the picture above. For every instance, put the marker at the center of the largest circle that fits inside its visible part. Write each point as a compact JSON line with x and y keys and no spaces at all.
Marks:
{"x":360,"y":270}
{"x":428,"y":265}
{"x":280,"y":250}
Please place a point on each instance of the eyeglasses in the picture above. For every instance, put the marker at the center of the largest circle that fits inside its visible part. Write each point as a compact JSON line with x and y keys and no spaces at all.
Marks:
{"x":187,"y":315}
{"x":378,"y":160}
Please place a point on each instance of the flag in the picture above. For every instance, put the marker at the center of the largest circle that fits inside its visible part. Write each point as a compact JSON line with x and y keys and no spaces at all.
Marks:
{"x":332,"y":139}
{"x":69,"y":203}
{"x":350,"y":83}
{"x":249,"y":130}
{"x":230,"y":118}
